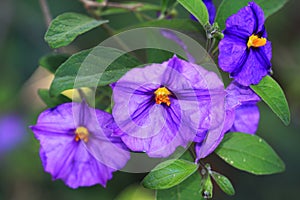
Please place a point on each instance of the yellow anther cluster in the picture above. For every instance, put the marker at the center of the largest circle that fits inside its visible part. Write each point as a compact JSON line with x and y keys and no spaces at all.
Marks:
{"x":82,"y":134}
{"x":255,"y":41}
{"x":162,"y":96}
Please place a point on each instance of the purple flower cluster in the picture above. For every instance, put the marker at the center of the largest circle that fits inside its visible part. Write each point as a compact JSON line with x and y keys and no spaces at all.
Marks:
{"x":156,"y":109}
{"x":159,"y":108}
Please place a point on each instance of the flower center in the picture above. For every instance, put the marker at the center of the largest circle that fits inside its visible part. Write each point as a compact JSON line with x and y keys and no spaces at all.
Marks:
{"x":82,"y":134}
{"x":162,"y":96}
{"x":255,"y":41}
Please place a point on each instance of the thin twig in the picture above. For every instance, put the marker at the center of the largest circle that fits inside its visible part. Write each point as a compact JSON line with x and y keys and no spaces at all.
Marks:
{"x":48,"y":19}
{"x":46,"y":12}
{"x":88,"y":4}
{"x":110,"y":31}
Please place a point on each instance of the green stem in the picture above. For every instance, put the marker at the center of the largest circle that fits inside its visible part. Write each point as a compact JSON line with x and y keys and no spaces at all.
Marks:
{"x":215,"y":50}
{"x":192,"y":152}
{"x":208,"y":43}
{"x":212,"y":45}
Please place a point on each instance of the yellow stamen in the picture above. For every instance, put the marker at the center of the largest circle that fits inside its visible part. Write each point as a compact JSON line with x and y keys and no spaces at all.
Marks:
{"x":255,"y":41}
{"x":162,"y":96}
{"x":82,"y":134}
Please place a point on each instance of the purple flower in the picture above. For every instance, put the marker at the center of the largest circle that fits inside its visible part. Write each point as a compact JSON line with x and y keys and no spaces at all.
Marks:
{"x":242,"y":115}
{"x":163,"y":106}
{"x":244,"y":51}
{"x":12,"y":132}
{"x":211,"y":11}
{"x":212,"y":139}
{"x":242,"y":111}
{"x":76,"y":144}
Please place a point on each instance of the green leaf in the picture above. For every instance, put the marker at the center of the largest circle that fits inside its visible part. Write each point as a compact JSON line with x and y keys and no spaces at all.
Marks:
{"x":88,"y":68}
{"x":230,"y":7}
{"x":186,"y":190}
{"x":103,"y":97}
{"x":66,"y":27}
{"x":158,"y":55}
{"x":223,"y":182}
{"x":249,"y":153}
{"x":169,"y":173}
{"x":272,"y":94}
{"x":52,"y":61}
{"x":52,"y":101}
{"x":66,"y":74}
{"x":198,"y":9}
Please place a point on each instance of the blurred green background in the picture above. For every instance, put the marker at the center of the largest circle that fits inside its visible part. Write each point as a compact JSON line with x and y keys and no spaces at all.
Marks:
{"x":21,"y":45}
